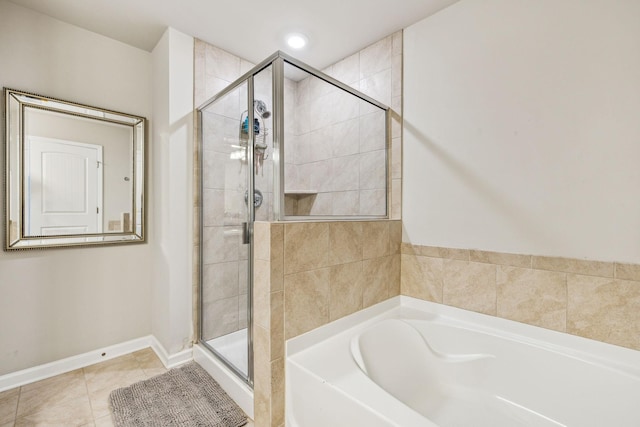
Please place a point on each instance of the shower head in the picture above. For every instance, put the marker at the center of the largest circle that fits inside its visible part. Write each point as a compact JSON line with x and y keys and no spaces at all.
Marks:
{"x":261,"y":109}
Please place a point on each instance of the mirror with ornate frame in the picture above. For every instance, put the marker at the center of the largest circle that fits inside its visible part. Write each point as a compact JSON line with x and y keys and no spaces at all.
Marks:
{"x":74,"y":174}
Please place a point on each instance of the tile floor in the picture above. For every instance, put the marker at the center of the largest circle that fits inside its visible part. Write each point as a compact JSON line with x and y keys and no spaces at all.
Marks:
{"x":77,"y":398}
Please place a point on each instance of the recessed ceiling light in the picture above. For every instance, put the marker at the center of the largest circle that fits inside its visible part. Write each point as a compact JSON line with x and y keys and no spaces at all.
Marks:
{"x":296,"y":40}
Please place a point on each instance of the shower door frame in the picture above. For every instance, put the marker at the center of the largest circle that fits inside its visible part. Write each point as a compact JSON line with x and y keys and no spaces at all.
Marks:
{"x":276,"y":61}
{"x":248,"y":78}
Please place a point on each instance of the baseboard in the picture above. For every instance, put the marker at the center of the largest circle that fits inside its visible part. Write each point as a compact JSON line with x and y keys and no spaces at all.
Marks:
{"x":41,"y":372}
{"x":170,"y":360}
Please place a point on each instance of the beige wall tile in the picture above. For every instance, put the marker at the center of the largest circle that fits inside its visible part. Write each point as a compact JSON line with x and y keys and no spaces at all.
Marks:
{"x":470,"y":285}
{"x":346,"y":289}
{"x":531,"y":296}
{"x":373,"y":202}
{"x":261,"y":240}
{"x":277,"y":392}
{"x":376,"y":57}
{"x":394,"y":276}
{"x":397,"y":43}
{"x":220,"y":281}
{"x":375,"y":235}
{"x":261,"y":293}
{"x":277,"y":257}
{"x":372,"y":170}
{"x":396,"y":76}
{"x":277,"y":325}
{"x":396,"y":199}
{"x":570,"y":265}
{"x":345,"y":203}
{"x":627,"y":271}
{"x":306,"y":301}
{"x":408,"y":248}
{"x":221,"y":64}
{"x":377,"y":277}
{"x":513,"y":260}
{"x":347,"y":70}
{"x":220,"y":318}
{"x":306,"y":246}
{"x":395,"y":237}
{"x":262,"y":377}
{"x":436,"y":252}
{"x":604,"y":309}
{"x":396,"y":158}
{"x":422,"y":277}
{"x":345,"y":242}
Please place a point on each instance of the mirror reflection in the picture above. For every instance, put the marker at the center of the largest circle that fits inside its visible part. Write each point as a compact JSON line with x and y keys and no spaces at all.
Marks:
{"x":74,"y":173}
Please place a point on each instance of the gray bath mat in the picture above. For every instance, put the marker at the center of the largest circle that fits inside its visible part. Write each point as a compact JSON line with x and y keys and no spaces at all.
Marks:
{"x":184,"y":396}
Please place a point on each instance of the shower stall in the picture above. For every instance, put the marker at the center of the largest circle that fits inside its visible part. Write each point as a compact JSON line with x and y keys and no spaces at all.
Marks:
{"x":283,"y":142}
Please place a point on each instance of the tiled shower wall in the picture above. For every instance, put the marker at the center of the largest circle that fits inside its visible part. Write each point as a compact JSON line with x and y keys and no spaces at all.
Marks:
{"x":338,"y":146}
{"x":306,"y":275}
{"x":592,"y":299}
{"x":376,"y":71}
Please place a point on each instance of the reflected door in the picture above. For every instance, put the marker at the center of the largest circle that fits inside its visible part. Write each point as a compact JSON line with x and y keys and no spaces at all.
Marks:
{"x":226,"y":215}
{"x":63,"y":187}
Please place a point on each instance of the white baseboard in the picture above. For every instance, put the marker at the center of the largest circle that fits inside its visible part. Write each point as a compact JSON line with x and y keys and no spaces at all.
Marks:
{"x":40,"y":372}
{"x":170,"y":360}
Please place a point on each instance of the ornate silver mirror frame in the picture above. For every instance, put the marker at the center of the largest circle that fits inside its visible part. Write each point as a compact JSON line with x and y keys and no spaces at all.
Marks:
{"x":74,"y":174}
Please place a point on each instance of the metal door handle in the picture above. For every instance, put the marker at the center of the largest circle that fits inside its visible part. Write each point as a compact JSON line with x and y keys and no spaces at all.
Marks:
{"x":246,"y":234}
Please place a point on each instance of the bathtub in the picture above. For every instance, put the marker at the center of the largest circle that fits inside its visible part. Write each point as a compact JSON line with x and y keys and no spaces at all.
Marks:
{"x":407,"y":362}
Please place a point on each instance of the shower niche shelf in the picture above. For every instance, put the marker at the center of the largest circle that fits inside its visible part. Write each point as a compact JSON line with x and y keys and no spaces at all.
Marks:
{"x":300,"y":193}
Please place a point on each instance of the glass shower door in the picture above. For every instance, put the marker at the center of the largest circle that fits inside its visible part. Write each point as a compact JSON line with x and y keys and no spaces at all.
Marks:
{"x":225,"y":223}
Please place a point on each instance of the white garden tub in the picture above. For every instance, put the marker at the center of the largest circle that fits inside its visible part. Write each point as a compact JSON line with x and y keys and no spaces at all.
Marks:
{"x":407,"y":362}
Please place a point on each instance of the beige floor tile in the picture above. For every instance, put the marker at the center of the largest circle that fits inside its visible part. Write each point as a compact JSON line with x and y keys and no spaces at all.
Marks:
{"x":100,"y":403}
{"x":112,"y":374}
{"x":52,"y":392}
{"x":147,"y":359}
{"x":104,"y":422}
{"x":70,"y":412}
{"x":8,"y":406}
{"x":56,"y":383}
{"x":9,"y":424}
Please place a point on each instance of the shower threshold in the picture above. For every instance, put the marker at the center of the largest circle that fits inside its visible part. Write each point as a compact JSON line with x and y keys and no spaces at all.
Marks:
{"x":233,"y":347}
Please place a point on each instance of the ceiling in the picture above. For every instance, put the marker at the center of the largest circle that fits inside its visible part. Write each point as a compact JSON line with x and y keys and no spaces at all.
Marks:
{"x":251,"y":29}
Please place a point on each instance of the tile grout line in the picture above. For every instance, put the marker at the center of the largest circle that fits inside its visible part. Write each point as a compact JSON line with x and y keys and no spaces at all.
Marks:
{"x":15,"y":415}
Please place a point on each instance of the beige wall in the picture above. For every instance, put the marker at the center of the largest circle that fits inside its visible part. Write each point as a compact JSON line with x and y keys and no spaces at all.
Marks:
{"x":521,"y":137}
{"x":63,"y":302}
{"x":308,"y":274}
{"x":521,"y":128}
{"x":597,"y":300}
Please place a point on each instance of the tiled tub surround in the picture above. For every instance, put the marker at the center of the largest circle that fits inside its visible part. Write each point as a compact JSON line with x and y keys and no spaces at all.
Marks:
{"x":306,"y":275}
{"x":592,"y":299}
{"x":334,"y":142}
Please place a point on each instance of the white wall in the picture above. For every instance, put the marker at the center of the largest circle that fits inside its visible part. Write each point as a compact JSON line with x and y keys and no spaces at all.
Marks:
{"x":62,"y":302}
{"x":522,"y":128}
{"x":172,"y":193}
